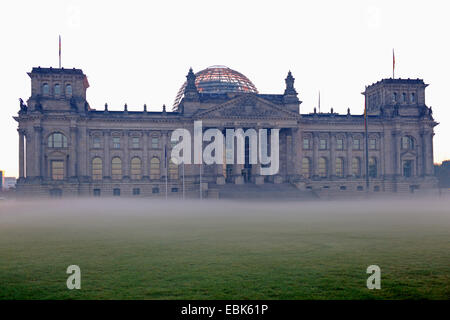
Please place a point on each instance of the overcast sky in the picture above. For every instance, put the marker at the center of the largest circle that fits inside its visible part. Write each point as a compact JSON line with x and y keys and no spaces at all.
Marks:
{"x":138,"y":52}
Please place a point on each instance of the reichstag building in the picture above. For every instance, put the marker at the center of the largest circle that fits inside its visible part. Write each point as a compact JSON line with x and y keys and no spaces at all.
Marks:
{"x":68,"y":148}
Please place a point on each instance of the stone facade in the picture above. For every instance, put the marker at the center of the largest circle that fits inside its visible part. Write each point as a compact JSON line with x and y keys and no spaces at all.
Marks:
{"x":68,"y":148}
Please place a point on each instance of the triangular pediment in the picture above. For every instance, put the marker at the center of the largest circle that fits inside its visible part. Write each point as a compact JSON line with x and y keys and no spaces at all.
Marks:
{"x":248,"y":107}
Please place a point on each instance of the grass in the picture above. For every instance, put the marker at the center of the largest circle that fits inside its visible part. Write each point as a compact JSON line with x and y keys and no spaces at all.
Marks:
{"x":224,"y":250}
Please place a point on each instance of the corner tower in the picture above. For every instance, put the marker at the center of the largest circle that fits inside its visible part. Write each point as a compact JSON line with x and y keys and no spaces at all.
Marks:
{"x":58,"y":90}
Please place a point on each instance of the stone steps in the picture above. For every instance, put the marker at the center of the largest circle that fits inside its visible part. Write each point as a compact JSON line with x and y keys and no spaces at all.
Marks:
{"x":264,"y":191}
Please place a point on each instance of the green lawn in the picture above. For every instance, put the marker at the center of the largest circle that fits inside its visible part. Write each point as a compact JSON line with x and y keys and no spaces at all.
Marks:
{"x":223,"y":250}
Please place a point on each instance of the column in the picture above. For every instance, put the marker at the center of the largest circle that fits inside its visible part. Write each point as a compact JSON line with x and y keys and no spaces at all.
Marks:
{"x":315,"y":154}
{"x":145,"y":164}
{"x":73,"y":152}
{"x":107,"y":156}
{"x":126,"y":155}
{"x":332,"y":155}
{"x":349,"y":155}
{"x":21,"y":154}
{"x":37,"y":151}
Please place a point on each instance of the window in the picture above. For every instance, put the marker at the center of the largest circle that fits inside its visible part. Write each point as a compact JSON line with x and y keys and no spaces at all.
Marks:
{"x":155,"y":171}
{"x":96,"y":142}
{"x":359,"y":188}
{"x":404,"y":97}
{"x":97,"y":192}
{"x":116,"y":142}
{"x":339,"y":144}
{"x":174,"y":190}
{"x":57,"y":140}
{"x":173,"y":170}
{"x":136,"y":165}
{"x":116,"y":192}
{"x":57,"y":90}
{"x":323,"y":169}
{"x":407,"y":168}
{"x":306,"y":144}
{"x":412,"y":97}
{"x":155,"y":142}
{"x":340,"y":167}
{"x":116,"y":168}
{"x":97,"y":169}
{"x":323,"y":144}
{"x":356,"y":144}
{"x":306,"y":168}
{"x":45,"y":89}
{"x":372,"y":167}
{"x":372,"y":144}
{"x":356,"y":167}
{"x":136,"y":191}
{"x":376,"y":188}
{"x":135,"y":142}
{"x":155,"y":190}
{"x":342,"y":188}
{"x":68,"y":90}
{"x":394,"y":97}
{"x":57,"y":169}
{"x":407,"y":143}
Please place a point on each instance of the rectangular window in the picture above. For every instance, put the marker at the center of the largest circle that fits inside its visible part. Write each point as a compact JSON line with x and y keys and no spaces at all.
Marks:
{"x":96,"y":142}
{"x":356,"y":144}
{"x":323,"y":144}
{"x":116,"y":142}
{"x":372,"y":144}
{"x":97,"y":192}
{"x":339,"y":144}
{"x":155,"y":142}
{"x":136,"y":191}
{"x":135,"y":142}
{"x":116,"y":192}
{"x":155,"y":190}
{"x":57,"y":170}
{"x":306,"y":144}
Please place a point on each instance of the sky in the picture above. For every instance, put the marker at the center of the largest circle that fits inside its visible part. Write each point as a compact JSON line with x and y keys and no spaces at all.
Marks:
{"x":139,"y":52}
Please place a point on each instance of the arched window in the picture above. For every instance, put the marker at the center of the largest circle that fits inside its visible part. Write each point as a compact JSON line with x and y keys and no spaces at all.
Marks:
{"x":356,"y":167}
{"x":323,"y":167}
{"x":97,"y":169}
{"x":306,"y":167}
{"x":116,"y":168}
{"x":136,"y":168}
{"x":69,"y":90}
{"x":57,"y":140}
{"x":373,"y":167}
{"x":413,"y":97}
{"x":45,"y":89}
{"x":407,"y":143}
{"x":57,"y":89}
{"x":394,"y":97}
{"x":339,"y":167}
{"x":403,"y":97}
{"x":155,"y":171}
{"x":173,"y":170}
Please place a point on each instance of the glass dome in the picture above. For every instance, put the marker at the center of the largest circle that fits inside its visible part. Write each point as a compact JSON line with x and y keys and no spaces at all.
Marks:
{"x":218,"y":79}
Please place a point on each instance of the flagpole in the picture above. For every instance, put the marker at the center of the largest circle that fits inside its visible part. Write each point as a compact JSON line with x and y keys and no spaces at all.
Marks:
{"x":60,"y":51}
{"x":367,"y":140}
{"x":393,"y":64}
{"x":319,"y":101}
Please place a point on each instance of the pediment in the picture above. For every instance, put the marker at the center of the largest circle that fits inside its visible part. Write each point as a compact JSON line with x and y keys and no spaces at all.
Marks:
{"x":408,"y":154}
{"x":248,"y":107}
